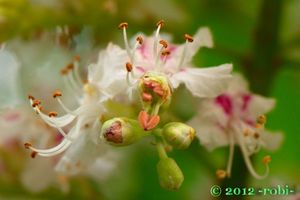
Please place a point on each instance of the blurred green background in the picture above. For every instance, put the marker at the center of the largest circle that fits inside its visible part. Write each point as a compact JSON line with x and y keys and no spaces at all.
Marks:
{"x":260,"y":37}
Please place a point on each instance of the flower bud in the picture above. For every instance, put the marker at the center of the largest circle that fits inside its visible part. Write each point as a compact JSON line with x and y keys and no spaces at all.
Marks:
{"x":121,"y":131}
{"x":169,"y":174}
{"x":154,"y":88}
{"x":179,"y":135}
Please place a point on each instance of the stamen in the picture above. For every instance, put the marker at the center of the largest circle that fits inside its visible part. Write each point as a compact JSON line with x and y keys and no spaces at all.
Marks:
{"x":27,"y":145}
{"x":57,"y":93}
{"x":76,"y":70}
{"x":188,"y":39}
{"x":267,"y":160}
{"x":77,"y":58}
{"x":33,"y":154}
{"x":31,"y":97}
{"x":164,"y":43}
{"x":247,"y":159}
{"x":231,"y":154}
{"x":147,"y":97}
{"x":140,"y":40}
{"x":256,"y":135}
{"x":221,"y":174}
{"x":261,"y":119}
{"x":52,"y":114}
{"x":35,"y":102}
{"x":52,"y":151}
{"x":159,"y":25}
{"x":128,"y":67}
{"x":124,"y":26}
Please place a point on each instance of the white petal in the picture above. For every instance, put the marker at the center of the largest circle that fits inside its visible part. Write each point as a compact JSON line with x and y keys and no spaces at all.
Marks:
{"x":271,"y":141}
{"x":80,"y":156}
{"x":9,"y":67}
{"x":204,"y":82}
{"x":238,"y":84}
{"x":202,"y":38}
{"x":208,"y":124}
{"x":38,"y":174}
{"x":260,"y":105}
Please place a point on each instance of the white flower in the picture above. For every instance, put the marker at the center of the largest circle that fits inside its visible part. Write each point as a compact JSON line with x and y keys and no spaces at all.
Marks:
{"x":153,"y":54}
{"x":236,"y":117}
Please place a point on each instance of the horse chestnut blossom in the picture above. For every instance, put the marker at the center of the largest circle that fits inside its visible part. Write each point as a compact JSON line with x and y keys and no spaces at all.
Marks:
{"x":154,"y":68}
{"x":236,"y":118}
{"x":153,"y":57}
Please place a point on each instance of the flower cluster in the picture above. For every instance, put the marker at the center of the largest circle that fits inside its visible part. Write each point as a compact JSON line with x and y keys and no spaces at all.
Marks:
{"x":151,"y":69}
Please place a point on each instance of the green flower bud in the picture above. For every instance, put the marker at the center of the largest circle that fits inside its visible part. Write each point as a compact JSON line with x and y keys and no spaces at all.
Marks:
{"x":179,"y":135}
{"x":121,"y":131}
{"x":169,"y":174}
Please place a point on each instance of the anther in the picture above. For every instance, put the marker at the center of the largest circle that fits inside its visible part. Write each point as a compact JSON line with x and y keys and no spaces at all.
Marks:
{"x":77,"y":58}
{"x":70,"y":66}
{"x":246,"y":132}
{"x":31,"y":97}
{"x":40,"y":108}
{"x":128,"y":67}
{"x":52,"y":114}
{"x":147,"y":97}
{"x":267,"y":159}
{"x":27,"y":145}
{"x":33,"y":154}
{"x":188,"y":37}
{"x":221,"y":173}
{"x":57,"y":93}
{"x":256,"y":135}
{"x":140,"y":40}
{"x":160,"y":23}
{"x":261,"y":119}
{"x":64,"y":71}
{"x":163,"y":43}
{"x":166,"y":52}
{"x":123,"y":25}
{"x":36,"y":102}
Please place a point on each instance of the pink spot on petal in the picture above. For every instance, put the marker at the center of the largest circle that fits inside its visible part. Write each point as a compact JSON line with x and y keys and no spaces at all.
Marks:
{"x":246,"y":100}
{"x":225,"y":102}
{"x":11,"y":117}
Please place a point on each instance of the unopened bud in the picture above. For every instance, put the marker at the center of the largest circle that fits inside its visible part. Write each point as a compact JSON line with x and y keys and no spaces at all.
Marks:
{"x":121,"y":131}
{"x":169,"y":174}
{"x":178,"y":134}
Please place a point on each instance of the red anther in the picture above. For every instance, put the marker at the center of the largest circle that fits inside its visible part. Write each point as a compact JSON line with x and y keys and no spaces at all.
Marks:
{"x":166,"y":52}
{"x":33,"y":154}
{"x":160,"y":23}
{"x":140,"y":40}
{"x":77,"y":58}
{"x":36,"y":102}
{"x":31,"y":97}
{"x":52,"y":114}
{"x":57,"y":93}
{"x":188,"y":38}
{"x":64,"y":71}
{"x":123,"y":25}
{"x":128,"y":67}
{"x":27,"y":145}
{"x":70,"y":66}
{"x":163,"y":43}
